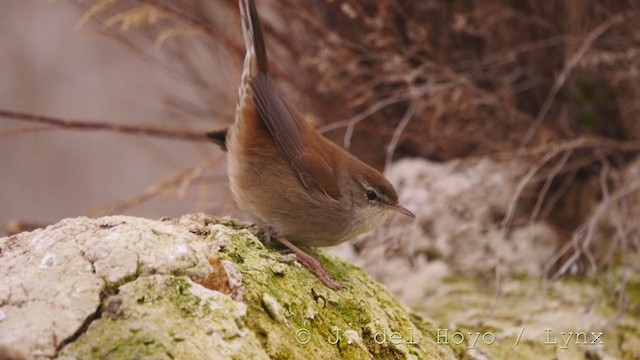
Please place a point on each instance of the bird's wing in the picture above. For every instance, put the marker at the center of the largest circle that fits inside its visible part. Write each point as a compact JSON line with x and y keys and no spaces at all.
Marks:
{"x":285,"y":127}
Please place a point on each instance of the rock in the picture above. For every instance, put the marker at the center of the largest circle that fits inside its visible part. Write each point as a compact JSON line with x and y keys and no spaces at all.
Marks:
{"x":444,"y":264}
{"x":190,"y":288}
{"x":531,"y":319}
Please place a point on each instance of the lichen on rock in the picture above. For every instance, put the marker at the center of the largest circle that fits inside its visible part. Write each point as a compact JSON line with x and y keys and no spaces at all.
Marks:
{"x":195,"y":287}
{"x":167,"y":317}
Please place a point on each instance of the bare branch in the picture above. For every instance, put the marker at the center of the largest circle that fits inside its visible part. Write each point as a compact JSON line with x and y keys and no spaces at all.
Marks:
{"x":139,"y":130}
{"x":353,"y":121}
{"x":408,"y":115}
{"x":547,"y":184}
{"x":213,"y":32}
{"x":178,"y":183}
{"x":526,"y":179}
{"x":568,"y":69}
{"x":584,"y":236}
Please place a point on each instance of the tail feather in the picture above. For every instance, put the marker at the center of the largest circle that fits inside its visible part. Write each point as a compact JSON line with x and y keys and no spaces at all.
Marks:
{"x":256,"y":58}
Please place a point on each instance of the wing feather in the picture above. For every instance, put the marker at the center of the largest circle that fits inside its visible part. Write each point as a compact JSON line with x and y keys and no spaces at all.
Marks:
{"x":286,"y":128}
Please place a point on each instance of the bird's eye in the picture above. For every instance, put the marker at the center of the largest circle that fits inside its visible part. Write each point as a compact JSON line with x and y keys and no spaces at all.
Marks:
{"x":371,"y":195}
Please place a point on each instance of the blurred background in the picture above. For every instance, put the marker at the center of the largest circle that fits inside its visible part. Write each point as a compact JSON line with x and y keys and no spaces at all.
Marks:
{"x":510,"y":127}
{"x":57,"y":64}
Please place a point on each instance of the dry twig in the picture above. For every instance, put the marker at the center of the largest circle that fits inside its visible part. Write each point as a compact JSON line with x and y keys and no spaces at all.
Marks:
{"x":140,"y":130}
{"x":178,"y":184}
{"x":568,"y":68}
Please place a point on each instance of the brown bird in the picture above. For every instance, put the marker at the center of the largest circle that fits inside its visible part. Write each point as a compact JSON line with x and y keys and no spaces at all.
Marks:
{"x":292,"y":181}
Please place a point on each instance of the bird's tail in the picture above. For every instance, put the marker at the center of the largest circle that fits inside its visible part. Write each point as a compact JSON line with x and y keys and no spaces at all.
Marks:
{"x":256,"y":59}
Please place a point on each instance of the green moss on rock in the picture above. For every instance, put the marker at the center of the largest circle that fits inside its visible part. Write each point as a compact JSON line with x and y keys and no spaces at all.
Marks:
{"x":167,"y":317}
{"x":317,"y":318}
{"x":282,"y":311}
{"x":531,"y":321}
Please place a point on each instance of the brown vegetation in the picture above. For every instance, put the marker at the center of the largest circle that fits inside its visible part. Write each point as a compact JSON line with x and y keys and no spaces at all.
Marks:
{"x":553,"y":83}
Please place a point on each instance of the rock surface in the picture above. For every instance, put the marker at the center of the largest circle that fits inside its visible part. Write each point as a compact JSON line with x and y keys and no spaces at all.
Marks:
{"x":190,"y":288}
{"x":444,"y":265}
{"x":204,"y":288}
{"x":584,"y":318}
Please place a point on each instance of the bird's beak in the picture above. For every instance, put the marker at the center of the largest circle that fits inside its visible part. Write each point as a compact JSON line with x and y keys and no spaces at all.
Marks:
{"x":402,"y":210}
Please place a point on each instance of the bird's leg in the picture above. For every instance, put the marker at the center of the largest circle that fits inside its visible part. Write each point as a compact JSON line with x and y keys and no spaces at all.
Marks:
{"x":310,"y":262}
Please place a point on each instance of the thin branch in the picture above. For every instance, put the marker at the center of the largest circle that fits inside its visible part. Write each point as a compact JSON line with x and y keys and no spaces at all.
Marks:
{"x":228,"y":42}
{"x":515,"y":50}
{"x":408,"y":115}
{"x":199,"y":24}
{"x":584,"y":141}
{"x":178,"y":183}
{"x":558,"y":194}
{"x":526,"y":179}
{"x":139,"y":130}
{"x":353,"y":121}
{"x":583,"y":237}
{"x":569,"y":67}
{"x":547,"y":184}
{"x":16,"y":226}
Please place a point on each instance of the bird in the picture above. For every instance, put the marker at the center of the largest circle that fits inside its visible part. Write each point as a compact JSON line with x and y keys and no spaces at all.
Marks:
{"x":299,"y":186}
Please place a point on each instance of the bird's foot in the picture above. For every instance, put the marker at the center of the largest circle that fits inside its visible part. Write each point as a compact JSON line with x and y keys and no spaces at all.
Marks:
{"x":311,"y":263}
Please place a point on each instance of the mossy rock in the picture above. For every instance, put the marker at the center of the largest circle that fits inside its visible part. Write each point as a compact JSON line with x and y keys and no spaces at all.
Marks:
{"x":570,"y":318}
{"x":192,"y":288}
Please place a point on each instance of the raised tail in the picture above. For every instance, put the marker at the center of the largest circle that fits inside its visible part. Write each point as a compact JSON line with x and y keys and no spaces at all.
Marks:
{"x":256,"y":59}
